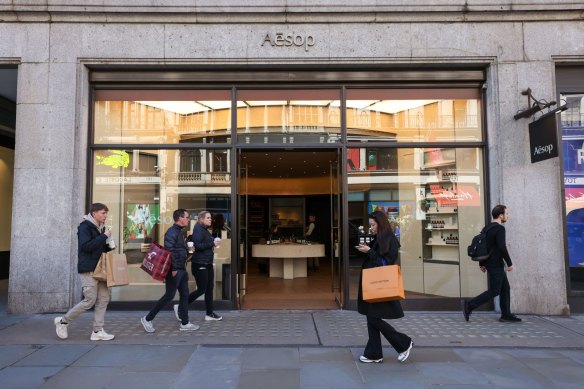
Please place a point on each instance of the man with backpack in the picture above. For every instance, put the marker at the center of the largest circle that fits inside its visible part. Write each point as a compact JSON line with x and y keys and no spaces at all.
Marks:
{"x":494,"y":265}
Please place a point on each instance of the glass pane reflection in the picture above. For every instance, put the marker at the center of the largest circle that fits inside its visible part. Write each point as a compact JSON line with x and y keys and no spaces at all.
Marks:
{"x":142,"y":188}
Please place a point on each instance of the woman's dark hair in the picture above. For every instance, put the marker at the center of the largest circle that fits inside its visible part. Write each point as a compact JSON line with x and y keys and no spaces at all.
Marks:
{"x":384,"y":232}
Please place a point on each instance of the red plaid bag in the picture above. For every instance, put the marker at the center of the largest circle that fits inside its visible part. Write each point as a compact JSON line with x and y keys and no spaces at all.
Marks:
{"x":157,"y":262}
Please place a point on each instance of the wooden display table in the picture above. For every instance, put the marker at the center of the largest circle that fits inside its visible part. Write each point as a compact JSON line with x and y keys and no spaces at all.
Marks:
{"x":287,"y":260}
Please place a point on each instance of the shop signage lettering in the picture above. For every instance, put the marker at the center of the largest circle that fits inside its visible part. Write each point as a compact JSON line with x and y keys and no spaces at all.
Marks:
{"x":543,"y":149}
{"x":543,"y":140}
{"x":580,"y":157}
{"x":280,"y":39}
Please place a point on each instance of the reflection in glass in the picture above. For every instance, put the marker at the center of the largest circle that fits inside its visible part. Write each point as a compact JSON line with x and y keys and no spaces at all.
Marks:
{"x":433,"y":198}
{"x":142,"y":188}
{"x":573,"y":152}
{"x":158,"y":116}
{"x":423,"y":115}
{"x":288,"y":116}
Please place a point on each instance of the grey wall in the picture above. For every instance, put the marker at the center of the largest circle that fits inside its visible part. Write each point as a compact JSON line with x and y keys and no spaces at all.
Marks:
{"x":52,"y":112}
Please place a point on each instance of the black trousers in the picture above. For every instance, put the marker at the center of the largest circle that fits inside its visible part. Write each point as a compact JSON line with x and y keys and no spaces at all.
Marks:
{"x":376,"y":326}
{"x":205,"y":279}
{"x":181,"y":283}
{"x":498,"y":286}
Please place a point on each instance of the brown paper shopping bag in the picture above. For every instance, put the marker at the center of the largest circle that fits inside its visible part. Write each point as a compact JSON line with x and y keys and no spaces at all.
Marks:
{"x":382,"y":283}
{"x":100,"y":273}
{"x":116,"y":269}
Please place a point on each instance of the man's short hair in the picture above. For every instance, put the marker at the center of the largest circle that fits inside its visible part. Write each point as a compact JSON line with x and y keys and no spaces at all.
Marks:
{"x":96,"y":207}
{"x":498,"y":210}
{"x":178,"y":214}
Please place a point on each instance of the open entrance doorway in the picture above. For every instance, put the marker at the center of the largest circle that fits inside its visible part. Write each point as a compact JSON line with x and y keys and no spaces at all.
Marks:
{"x":289,"y":229}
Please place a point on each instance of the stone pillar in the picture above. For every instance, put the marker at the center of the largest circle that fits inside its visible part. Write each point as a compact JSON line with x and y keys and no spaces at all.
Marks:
{"x":530,"y":191}
{"x":49,"y":187}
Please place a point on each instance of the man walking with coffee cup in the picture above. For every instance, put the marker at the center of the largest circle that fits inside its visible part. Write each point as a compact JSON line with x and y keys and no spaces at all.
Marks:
{"x":93,"y":240}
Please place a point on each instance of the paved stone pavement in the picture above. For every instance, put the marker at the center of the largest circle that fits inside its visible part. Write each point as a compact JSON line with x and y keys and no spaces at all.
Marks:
{"x":292,"y":349}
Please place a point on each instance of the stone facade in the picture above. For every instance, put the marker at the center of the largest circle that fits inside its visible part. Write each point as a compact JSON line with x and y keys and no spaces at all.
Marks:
{"x":54,"y":42}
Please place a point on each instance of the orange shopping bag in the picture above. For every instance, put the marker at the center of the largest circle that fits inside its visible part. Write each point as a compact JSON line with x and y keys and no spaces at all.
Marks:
{"x":383,"y":283}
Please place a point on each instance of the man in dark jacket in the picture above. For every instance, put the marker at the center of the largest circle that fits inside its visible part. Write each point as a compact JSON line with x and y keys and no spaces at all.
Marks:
{"x":495,"y":268}
{"x":92,"y":242}
{"x":177,"y":277}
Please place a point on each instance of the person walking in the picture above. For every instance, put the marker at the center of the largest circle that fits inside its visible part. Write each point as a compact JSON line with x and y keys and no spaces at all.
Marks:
{"x":202,"y":264}
{"x":312,"y":234}
{"x":92,"y":241}
{"x":494,"y":265}
{"x":383,"y":251}
{"x":177,"y":277}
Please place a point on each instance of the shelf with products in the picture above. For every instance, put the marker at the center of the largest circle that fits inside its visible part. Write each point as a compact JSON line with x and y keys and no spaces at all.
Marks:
{"x":439,"y":203}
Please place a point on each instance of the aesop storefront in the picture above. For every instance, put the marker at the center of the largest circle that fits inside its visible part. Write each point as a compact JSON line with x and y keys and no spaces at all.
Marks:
{"x":274,"y":115}
{"x":263,"y":153}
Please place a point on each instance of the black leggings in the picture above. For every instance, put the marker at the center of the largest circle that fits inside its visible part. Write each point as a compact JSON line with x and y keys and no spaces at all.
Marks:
{"x":205,"y":279}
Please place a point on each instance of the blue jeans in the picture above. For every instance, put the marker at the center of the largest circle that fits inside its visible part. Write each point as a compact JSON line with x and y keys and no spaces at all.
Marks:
{"x":498,"y":286}
{"x":179,"y":282}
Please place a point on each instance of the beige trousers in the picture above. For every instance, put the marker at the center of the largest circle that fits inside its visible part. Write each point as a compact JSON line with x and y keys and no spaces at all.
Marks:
{"x":94,"y":293}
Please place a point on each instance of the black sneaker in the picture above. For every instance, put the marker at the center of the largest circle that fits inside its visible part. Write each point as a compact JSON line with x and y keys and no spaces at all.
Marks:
{"x":509,"y":319}
{"x":465,"y":310}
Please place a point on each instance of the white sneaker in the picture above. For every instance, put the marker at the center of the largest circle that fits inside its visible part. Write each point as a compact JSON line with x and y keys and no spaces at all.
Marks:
{"x":364,"y":359}
{"x":403,"y":356}
{"x":188,"y":327}
{"x":213,"y":317}
{"x":176,"y":312}
{"x":101,"y":335}
{"x":148,"y":327}
{"x":61,"y":328}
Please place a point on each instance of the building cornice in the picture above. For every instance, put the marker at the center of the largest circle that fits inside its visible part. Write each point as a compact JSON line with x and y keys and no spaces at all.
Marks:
{"x":287,"y":11}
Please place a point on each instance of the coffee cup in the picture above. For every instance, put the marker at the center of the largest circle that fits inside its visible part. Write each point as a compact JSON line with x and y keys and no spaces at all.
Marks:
{"x":217,"y":242}
{"x":191,"y":247}
{"x":112,"y":244}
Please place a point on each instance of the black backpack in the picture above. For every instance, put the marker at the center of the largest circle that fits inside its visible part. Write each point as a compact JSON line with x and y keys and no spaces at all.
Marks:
{"x":478,"y":250}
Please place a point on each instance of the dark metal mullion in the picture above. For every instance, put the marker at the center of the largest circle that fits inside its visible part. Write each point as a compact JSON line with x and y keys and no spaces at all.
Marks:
{"x":235,"y":211}
{"x":344,"y":278}
{"x":177,"y":146}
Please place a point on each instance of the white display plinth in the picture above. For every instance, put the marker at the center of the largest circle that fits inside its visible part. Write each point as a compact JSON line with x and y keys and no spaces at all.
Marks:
{"x":288,"y":260}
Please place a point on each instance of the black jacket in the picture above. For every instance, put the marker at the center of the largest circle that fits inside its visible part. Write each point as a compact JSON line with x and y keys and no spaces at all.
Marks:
{"x":496,"y":242}
{"x":383,"y":310}
{"x":174,"y":241}
{"x":204,"y":245}
{"x":90,"y":245}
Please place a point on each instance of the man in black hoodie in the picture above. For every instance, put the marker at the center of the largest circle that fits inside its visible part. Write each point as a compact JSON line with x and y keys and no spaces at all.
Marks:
{"x":92,"y":242}
{"x":494,"y":265}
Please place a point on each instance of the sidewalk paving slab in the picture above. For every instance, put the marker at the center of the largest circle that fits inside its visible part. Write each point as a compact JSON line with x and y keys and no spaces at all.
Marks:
{"x":293,"y":349}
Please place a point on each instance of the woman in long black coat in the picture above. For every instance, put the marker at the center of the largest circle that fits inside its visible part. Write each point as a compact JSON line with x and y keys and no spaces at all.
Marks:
{"x":383,"y":251}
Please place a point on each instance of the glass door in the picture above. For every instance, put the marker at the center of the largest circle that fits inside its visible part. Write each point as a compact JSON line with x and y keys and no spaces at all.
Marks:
{"x":336,"y":232}
{"x":242,"y":230}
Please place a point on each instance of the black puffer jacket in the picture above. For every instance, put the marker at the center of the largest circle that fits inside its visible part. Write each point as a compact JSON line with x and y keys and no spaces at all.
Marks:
{"x":204,"y":245}
{"x":91,"y":244}
{"x":174,"y":241}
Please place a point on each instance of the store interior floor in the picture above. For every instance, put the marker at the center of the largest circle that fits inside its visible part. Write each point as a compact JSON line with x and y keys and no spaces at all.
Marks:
{"x":312,"y":292}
